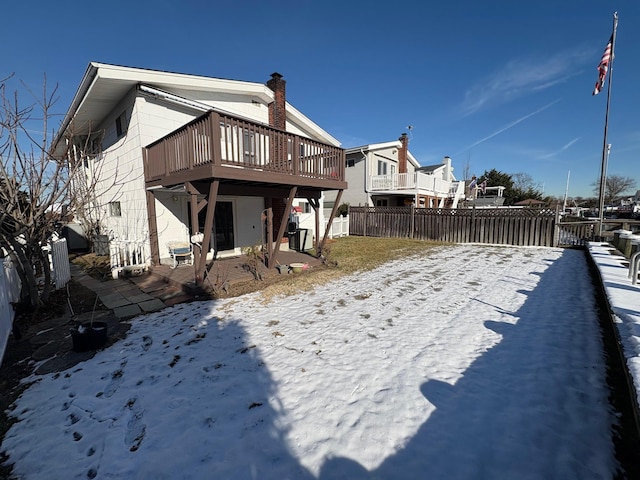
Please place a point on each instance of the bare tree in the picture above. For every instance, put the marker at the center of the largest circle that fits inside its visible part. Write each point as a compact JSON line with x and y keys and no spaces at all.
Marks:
{"x":524,"y":182}
{"x":36,"y":188}
{"x":466,"y":171}
{"x":615,"y":186}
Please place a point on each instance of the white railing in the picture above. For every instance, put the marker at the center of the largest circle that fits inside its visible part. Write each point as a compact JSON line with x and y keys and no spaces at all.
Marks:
{"x":432,"y":184}
{"x":128,"y":255}
{"x":396,"y":181}
{"x":339,"y":227}
{"x":410,"y":181}
{"x":457,"y":193}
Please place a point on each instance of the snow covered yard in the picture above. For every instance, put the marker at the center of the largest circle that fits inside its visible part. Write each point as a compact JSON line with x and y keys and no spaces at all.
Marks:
{"x":468,"y":362}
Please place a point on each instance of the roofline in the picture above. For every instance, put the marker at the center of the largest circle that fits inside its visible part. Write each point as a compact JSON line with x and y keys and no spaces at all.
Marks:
{"x":85,"y":84}
{"x":380,"y":146}
{"x":374,"y":146}
{"x":140,"y":76}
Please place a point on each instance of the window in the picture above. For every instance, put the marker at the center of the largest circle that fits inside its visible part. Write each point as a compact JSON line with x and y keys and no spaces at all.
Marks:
{"x":121,"y":124}
{"x":249,"y":147}
{"x":114,"y":209}
{"x":382,"y":167}
{"x":382,"y":202}
{"x":306,"y":208}
{"x":393,"y":169}
{"x":351,"y":162}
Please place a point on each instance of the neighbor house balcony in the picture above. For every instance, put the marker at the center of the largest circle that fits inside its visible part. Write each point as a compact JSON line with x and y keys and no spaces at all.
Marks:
{"x":403,"y":183}
{"x":233,"y":149}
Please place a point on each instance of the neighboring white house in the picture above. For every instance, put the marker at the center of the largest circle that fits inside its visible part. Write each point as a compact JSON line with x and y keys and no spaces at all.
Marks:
{"x":387,"y":174}
{"x":165,"y":145}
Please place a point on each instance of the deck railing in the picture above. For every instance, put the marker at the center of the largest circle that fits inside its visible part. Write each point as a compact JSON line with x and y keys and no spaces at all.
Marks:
{"x":224,"y":140}
{"x":410,"y":181}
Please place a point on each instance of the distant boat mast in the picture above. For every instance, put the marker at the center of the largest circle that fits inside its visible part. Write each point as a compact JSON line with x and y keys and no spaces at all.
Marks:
{"x":566,"y":192}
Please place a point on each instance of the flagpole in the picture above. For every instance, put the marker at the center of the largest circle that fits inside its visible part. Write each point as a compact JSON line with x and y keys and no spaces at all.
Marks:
{"x":566,"y":192}
{"x":605,"y":144}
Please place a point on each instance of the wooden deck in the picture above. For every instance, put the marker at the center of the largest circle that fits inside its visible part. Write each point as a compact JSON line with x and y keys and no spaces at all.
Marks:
{"x":235,"y":150}
{"x":230,"y":270}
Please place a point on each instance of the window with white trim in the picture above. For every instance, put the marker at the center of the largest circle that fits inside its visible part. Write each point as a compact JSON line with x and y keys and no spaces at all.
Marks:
{"x":114,"y":209}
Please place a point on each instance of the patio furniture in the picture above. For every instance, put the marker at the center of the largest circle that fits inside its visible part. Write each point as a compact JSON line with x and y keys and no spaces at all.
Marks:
{"x":180,"y":252}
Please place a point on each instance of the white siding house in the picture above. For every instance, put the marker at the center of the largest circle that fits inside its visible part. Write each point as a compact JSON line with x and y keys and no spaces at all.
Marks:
{"x":387,"y":174}
{"x":125,"y":110}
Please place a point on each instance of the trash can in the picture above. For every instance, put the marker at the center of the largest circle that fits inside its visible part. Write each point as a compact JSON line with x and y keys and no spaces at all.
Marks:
{"x":301,"y":240}
{"x":101,"y":245}
{"x":294,"y":240}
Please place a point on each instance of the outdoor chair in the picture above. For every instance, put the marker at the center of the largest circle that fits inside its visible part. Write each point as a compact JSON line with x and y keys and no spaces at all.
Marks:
{"x":180,"y":252}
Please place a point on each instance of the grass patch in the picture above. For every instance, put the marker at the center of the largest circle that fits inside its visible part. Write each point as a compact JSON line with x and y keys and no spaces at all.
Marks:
{"x":356,"y":254}
{"x":98,"y":267}
{"x":348,"y":255}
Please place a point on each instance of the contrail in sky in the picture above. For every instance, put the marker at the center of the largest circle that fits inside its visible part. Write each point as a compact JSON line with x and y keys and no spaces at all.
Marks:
{"x":512,"y":124}
{"x":553,"y":154}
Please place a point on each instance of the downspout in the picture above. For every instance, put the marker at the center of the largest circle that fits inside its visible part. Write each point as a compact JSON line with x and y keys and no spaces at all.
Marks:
{"x":366,"y":176}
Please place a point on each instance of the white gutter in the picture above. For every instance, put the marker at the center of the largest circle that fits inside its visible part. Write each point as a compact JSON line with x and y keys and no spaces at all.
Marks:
{"x":175,"y":98}
{"x":85,"y":86}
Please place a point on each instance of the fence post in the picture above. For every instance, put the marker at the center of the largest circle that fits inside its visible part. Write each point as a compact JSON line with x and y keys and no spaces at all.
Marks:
{"x":366,"y":220}
{"x":473,"y":224}
{"x":556,"y":228}
{"x":413,"y":213}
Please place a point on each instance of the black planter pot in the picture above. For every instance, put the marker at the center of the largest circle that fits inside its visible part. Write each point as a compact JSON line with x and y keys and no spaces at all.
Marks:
{"x":89,"y":336}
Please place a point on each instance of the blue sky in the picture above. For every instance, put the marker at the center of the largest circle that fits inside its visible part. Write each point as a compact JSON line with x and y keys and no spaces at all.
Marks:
{"x":493,"y":84}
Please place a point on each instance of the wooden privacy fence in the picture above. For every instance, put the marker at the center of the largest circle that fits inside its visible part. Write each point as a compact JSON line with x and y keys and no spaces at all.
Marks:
{"x":517,"y":226}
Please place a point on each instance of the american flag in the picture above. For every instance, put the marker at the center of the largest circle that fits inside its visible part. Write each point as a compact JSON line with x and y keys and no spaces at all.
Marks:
{"x":603,"y":66}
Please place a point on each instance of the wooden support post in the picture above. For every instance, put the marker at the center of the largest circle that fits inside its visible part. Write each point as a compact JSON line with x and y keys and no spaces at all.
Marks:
{"x":329,"y":223}
{"x":208,"y":229}
{"x":193,"y":193}
{"x":315,"y":204}
{"x":268,"y":219}
{"x":272,"y":259}
{"x":153,"y":227}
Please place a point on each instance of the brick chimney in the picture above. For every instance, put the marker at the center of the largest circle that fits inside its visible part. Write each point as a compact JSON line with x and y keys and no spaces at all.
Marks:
{"x":278,"y":119}
{"x":402,"y":153}
{"x":277,"y":112}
